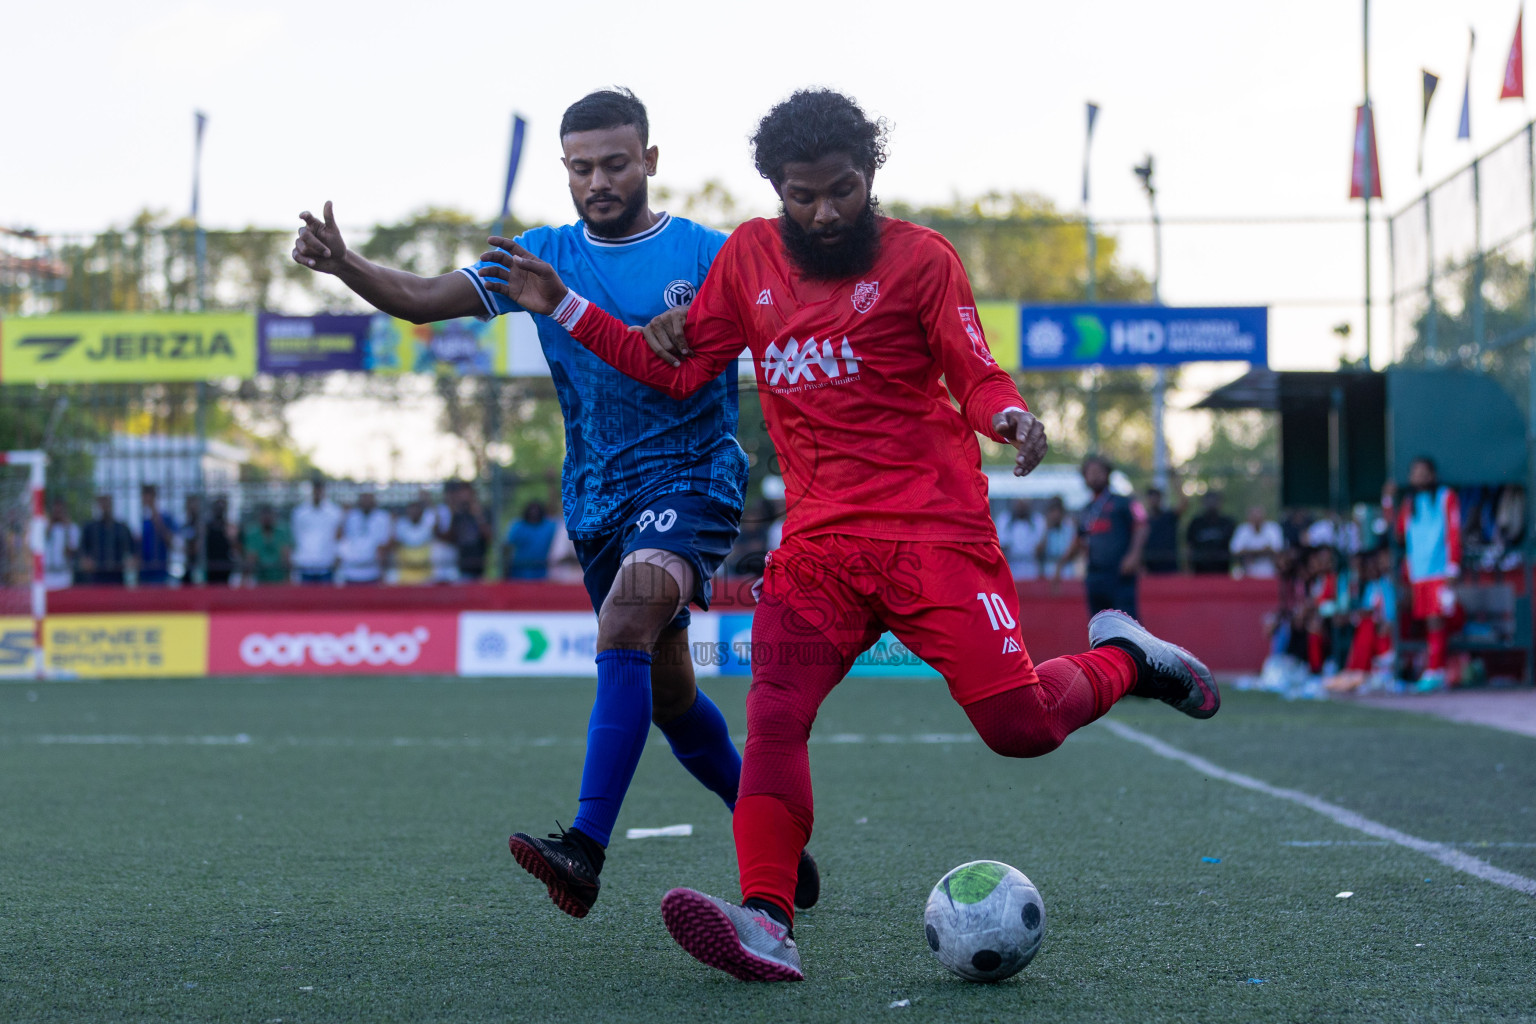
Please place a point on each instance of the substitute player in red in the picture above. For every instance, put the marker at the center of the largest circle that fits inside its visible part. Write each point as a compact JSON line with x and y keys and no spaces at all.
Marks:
{"x":862,"y":327}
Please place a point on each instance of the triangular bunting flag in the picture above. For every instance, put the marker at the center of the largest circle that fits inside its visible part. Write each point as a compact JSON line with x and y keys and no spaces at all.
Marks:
{"x":1514,"y":68}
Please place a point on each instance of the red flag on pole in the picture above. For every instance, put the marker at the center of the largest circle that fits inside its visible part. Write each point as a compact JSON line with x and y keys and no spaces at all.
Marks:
{"x":1514,"y":69}
{"x":1365,"y":141}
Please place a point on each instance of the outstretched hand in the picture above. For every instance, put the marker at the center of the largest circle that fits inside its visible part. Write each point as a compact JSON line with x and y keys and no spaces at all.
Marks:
{"x":319,"y":245}
{"x":521,"y":276}
{"x":1026,"y":433}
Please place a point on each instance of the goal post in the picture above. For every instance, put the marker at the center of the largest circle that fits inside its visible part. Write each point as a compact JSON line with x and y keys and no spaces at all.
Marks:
{"x":23,"y":541}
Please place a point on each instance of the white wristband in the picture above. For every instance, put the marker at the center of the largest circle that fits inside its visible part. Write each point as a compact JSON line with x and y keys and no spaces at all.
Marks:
{"x":570,"y":310}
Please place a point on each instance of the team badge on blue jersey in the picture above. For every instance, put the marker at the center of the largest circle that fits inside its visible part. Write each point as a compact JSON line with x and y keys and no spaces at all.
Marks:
{"x":679,"y":293}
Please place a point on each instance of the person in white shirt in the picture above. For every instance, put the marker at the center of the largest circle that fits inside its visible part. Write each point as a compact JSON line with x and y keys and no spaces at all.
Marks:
{"x":366,"y":533}
{"x":315,"y":523}
{"x":1255,"y":544}
{"x":1020,"y":538}
{"x":60,"y":545}
{"x":415,"y":532}
{"x":445,"y":556}
{"x":1057,"y":533}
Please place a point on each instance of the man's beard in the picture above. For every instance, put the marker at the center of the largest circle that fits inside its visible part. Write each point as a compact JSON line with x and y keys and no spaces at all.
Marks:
{"x":621,"y":226}
{"x":854,"y":253}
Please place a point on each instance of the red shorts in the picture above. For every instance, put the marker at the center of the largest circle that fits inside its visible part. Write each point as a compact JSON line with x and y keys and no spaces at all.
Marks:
{"x":1433,"y":599}
{"x":951,"y":603}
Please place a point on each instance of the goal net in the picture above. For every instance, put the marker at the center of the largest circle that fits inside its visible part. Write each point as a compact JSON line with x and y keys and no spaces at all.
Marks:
{"x":23,"y":534}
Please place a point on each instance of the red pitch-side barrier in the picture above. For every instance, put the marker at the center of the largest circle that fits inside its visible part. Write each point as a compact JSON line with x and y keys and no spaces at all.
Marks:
{"x":1220,"y":619}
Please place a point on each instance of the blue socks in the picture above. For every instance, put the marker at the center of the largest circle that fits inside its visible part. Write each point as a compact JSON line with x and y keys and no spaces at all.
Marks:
{"x":616,"y":734}
{"x":702,"y":742}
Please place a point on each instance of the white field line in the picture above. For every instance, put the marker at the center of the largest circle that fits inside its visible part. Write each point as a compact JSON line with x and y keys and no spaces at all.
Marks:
{"x":1447,"y":855}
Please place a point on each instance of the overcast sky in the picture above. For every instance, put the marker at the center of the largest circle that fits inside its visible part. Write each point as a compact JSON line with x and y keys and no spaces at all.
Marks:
{"x":387,"y":107}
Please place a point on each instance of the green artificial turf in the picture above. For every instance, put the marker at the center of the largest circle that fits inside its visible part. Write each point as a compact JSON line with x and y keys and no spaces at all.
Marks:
{"x":335,"y":850}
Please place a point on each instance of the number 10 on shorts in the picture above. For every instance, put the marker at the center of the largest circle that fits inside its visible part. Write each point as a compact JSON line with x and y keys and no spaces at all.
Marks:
{"x":997,"y":611}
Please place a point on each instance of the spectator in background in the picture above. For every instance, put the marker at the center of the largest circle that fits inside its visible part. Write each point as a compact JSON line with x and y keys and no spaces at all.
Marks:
{"x":469,"y":531}
{"x":1161,"y":555}
{"x":267,"y":547}
{"x":1057,"y":539}
{"x":445,"y":556}
{"x":190,"y":549}
{"x":219,"y":544}
{"x":315,"y":523}
{"x":61,"y":544}
{"x":564,"y":566}
{"x":1428,"y":519}
{"x":157,"y":536}
{"x":106,"y":547}
{"x":364,"y":541}
{"x":1209,"y":538}
{"x":1256,"y":543}
{"x":1113,"y":532}
{"x":528,"y":543}
{"x":415,"y":533}
{"x":1294,"y":528}
{"x":1020,"y":539}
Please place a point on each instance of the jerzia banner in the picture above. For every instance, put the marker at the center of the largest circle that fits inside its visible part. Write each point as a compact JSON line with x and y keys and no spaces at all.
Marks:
{"x":133,"y":347}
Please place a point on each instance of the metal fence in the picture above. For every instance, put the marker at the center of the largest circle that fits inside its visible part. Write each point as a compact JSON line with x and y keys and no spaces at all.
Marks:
{"x":1464,"y":268}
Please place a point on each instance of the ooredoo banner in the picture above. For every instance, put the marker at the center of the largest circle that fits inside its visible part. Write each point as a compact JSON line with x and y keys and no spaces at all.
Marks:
{"x":334,"y":643}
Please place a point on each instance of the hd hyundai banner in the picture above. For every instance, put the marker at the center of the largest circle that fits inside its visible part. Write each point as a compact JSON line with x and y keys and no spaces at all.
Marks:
{"x":333,"y":643}
{"x":1056,"y":337}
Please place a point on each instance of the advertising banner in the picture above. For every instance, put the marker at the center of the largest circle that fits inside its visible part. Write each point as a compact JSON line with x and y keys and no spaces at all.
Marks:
{"x":553,"y":644}
{"x":1000,"y":324}
{"x":126,"y":645}
{"x":15,"y":647}
{"x":134,"y":347}
{"x":332,"y":643}
{"x":1055,"y":337}
{"x":313,"y":344}
{"x":888,"y":656}
{"x":466,"y":346}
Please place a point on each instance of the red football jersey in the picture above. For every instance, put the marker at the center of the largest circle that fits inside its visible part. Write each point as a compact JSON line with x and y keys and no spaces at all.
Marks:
{"x":852,"y":375}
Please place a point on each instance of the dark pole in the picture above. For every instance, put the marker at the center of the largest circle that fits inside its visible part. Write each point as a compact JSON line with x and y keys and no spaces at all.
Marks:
{"x":1370,"y":164}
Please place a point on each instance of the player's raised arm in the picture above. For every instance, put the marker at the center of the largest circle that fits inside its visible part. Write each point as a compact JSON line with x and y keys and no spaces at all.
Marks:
{"x":420,"y":300}
{"x":712,"y":345}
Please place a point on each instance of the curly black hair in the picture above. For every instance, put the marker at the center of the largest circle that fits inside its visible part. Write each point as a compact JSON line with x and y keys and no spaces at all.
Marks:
{"x":811,"y":124}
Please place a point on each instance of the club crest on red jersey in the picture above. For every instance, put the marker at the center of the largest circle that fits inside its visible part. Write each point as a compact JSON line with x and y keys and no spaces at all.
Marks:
{"x":972,"y":325}
{"x":864,"y":295}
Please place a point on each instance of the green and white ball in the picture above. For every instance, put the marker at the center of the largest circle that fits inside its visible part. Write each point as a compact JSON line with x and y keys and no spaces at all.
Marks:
{"x":985,"y":921}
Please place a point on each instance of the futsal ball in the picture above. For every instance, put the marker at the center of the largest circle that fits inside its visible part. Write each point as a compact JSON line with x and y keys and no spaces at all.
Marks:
{"x":985,"y":921}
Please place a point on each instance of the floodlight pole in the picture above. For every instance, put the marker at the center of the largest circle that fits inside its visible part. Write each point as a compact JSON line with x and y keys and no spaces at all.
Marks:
{"x":1370,"y":163}
{"x":1160,"y":373}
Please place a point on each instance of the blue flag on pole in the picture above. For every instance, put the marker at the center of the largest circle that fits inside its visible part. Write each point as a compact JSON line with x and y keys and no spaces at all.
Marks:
{"x":1093,"y":115}
{"x":1464,"y":129}
{"x":199,"y":120}
{"x":519,"y":126}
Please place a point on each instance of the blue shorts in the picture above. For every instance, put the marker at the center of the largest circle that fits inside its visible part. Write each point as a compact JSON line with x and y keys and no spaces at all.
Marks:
{"x":693,"y":526}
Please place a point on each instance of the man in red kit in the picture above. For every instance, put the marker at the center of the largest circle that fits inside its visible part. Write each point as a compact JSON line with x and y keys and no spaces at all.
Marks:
{"x":861,"y":327}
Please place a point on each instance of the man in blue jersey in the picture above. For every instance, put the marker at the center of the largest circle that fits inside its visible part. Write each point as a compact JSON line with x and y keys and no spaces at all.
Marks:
{"x":652,"y":486}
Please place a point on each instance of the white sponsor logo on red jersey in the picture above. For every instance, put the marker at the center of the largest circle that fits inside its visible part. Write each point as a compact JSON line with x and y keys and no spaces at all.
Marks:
{"x":798,"y":361}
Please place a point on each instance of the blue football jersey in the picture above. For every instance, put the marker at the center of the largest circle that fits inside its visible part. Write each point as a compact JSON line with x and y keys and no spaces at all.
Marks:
{"x":625,"y":442}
